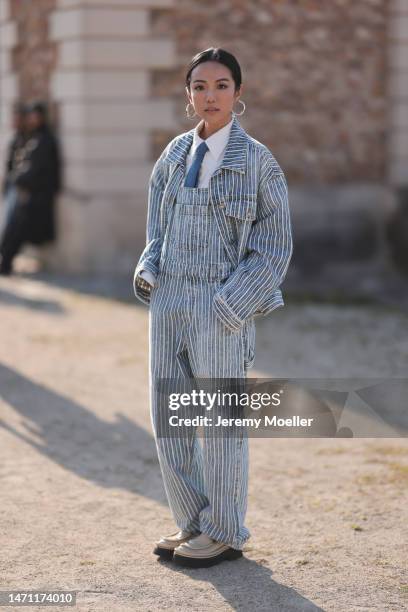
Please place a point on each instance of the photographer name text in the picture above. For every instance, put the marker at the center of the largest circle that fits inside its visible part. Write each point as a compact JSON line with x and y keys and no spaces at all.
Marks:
{"x":266,"y":421}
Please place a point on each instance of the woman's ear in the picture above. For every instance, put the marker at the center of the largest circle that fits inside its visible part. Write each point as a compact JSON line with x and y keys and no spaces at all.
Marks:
{"x":188,"y":95}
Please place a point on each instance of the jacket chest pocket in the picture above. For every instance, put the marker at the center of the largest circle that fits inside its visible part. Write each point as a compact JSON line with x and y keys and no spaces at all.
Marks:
{"x":238,"y":210}
{"x":242,"y":208}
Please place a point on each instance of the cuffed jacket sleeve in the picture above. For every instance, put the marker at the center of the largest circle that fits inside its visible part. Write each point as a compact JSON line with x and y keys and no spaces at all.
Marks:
{"x":269,"y":253}
{"x":150,"y":257}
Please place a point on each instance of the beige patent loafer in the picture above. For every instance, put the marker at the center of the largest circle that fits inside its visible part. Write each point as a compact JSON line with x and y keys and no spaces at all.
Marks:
{"x":166,"y":545}
{"x":203,"y":551}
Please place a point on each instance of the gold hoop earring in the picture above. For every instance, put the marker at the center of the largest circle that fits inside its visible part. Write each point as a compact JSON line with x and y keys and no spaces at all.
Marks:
{"x":243,"y":110}
{"x":190,"y":116}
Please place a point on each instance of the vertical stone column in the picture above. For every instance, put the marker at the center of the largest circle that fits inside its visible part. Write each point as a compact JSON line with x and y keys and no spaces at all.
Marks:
{"x":8,"y":80}
{"x":102,"y":87}
{"x":398,"y":93}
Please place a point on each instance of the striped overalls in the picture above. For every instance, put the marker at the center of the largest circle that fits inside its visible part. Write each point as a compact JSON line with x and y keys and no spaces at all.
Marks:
{"x":206,"y":485}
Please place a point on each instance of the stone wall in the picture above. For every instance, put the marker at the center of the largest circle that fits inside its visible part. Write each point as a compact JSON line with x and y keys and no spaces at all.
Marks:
{"x":9,"y":82}
{"x":397,"y":151}
{"x":34,"y":55}
{"x":316,"y":93}
{"x":323,"y":84}
{"x":314,"y":75}
{"x":101,"y":82}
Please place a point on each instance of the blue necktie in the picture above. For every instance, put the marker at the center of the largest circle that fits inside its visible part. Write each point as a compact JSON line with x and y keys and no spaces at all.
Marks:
{"x":192,"y":175}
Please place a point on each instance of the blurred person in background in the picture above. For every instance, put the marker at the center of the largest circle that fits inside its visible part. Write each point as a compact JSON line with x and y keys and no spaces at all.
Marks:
{"x":37,"y":180}
{"x":15,"y":150}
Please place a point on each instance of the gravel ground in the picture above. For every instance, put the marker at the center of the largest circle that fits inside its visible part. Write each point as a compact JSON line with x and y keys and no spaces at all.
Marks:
{"x":82,"y":496}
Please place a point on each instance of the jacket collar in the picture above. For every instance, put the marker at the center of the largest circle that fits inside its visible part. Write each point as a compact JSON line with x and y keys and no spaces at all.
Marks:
{"x":235,"y":151}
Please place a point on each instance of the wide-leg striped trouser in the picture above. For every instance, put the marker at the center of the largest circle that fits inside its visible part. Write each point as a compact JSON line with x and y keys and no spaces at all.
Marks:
{"x":206,"y":485}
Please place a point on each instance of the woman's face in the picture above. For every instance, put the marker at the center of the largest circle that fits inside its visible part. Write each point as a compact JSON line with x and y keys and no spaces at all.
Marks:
{"x":212,"y":87}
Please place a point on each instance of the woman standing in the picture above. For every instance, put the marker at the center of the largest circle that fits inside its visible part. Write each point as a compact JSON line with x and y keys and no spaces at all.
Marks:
{"x":218,"y":246}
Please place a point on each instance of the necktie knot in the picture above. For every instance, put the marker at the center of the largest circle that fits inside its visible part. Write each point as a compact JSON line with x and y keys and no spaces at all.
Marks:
{"x":192,"y":176}
{"x":201,"y":149}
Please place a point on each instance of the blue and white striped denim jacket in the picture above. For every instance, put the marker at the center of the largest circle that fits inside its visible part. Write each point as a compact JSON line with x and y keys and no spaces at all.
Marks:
{"x":250,"y":196}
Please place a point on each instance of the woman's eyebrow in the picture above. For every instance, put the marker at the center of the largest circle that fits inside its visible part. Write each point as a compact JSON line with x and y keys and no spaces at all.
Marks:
{"x":203,"y":81}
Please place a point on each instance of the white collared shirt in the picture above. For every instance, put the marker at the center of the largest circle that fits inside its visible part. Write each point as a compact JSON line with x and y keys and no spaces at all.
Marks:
{"x":217,"y":143}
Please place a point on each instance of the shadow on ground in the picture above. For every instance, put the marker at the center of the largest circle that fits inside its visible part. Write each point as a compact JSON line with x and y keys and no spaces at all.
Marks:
{"x":119,"y":454}
{"x":11,"y":298}
{"x":114,"y":287}
{"x":245,"y":584}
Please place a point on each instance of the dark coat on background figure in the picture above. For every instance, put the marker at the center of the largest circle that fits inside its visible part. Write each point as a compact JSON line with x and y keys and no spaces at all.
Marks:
{"x":38,"y":177}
